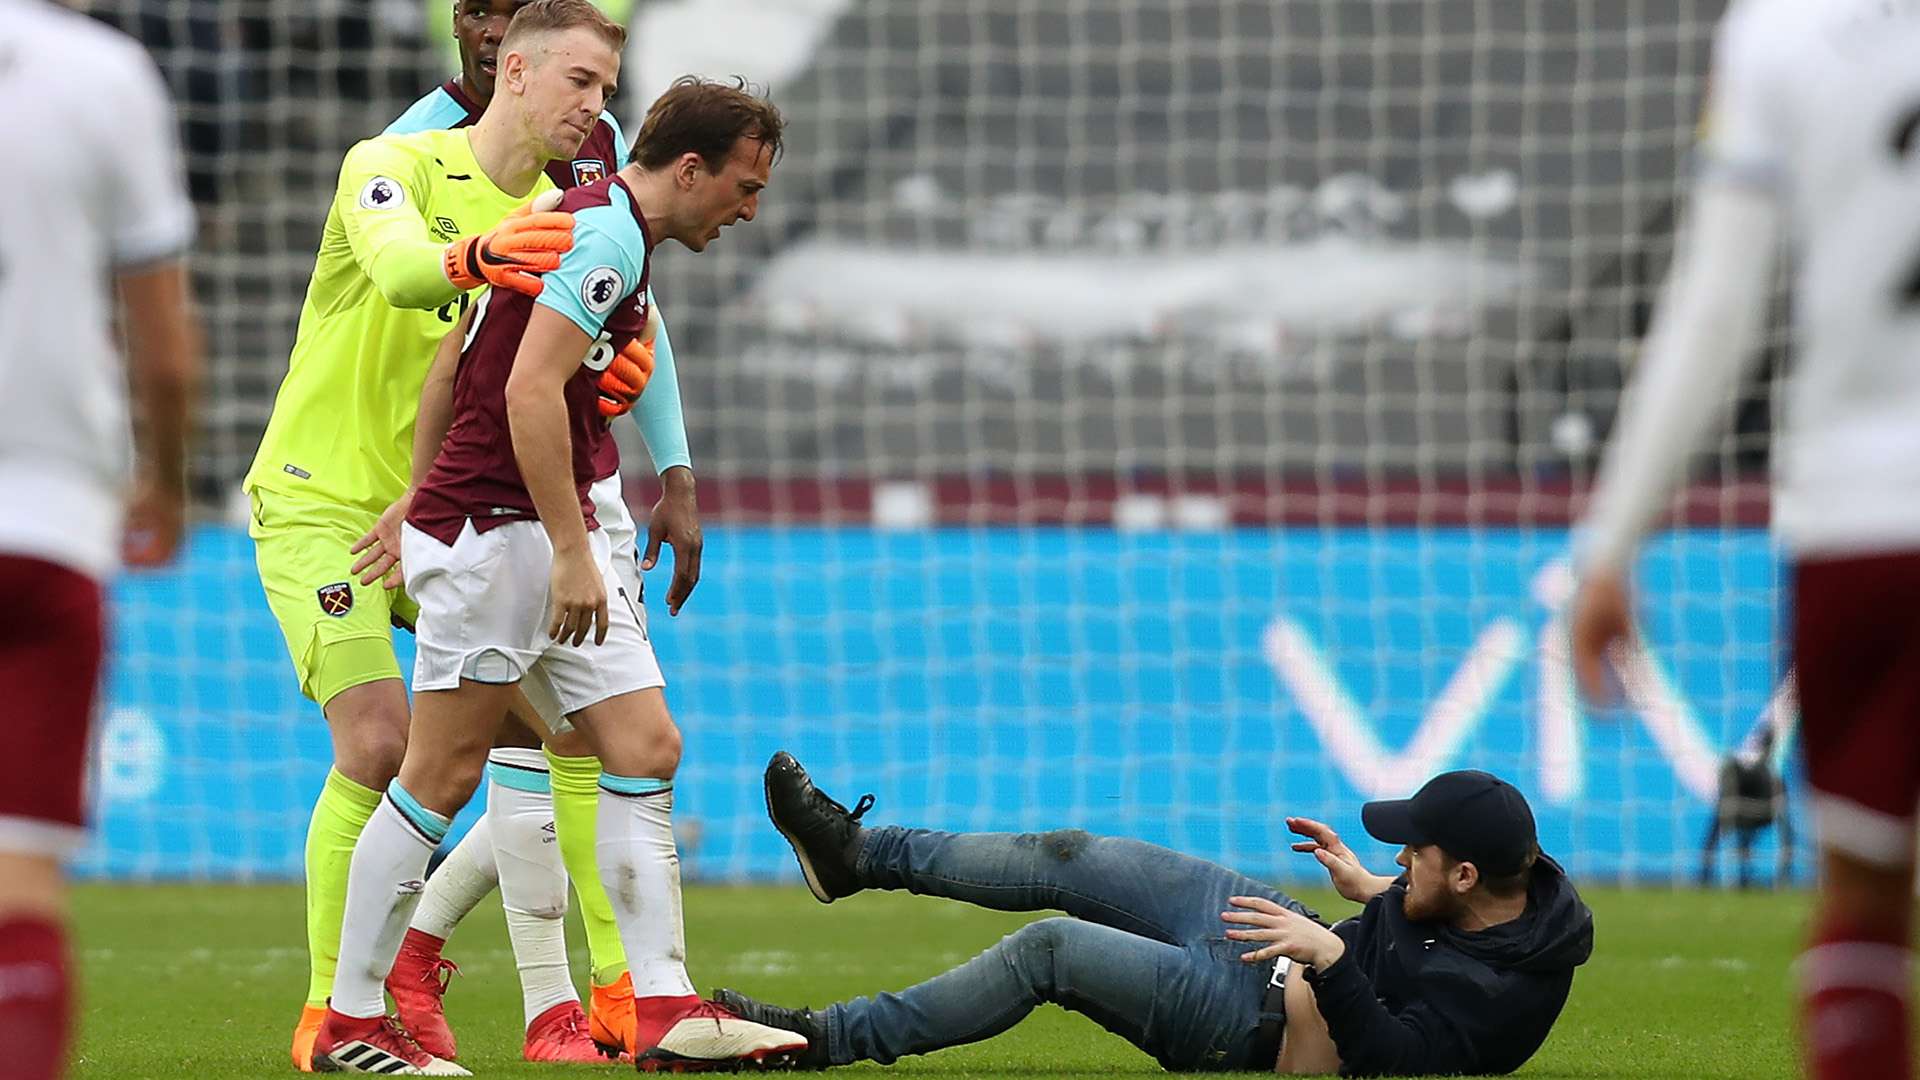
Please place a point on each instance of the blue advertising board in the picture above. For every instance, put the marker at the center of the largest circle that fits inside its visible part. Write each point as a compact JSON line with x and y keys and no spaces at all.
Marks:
{"x":1189,"y":688}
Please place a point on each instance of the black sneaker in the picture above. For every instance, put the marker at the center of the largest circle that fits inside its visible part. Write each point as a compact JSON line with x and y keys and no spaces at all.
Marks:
{"x":824,"y":835}
{"x":799,"y":1021}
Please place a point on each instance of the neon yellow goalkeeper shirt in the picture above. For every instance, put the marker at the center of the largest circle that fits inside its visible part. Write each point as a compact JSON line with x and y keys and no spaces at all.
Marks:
{"x":377,"y":306}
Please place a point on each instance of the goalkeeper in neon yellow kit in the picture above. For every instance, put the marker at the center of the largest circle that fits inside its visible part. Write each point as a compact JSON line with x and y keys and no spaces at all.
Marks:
{"x":406,"y":243}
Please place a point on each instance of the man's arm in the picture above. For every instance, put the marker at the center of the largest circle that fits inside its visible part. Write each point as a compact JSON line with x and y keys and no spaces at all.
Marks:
{"x":430,"y":424}
{"x":1350,"y":879}
{"x":380,"y":201}
{"x":1702,"y":339}
{"x":549,"y":354}
{"x":663,"y":423}
{"x":150,"y":223}
{"x":676,"y":516}
{"x":163,"y":349}
{"x":379,"y":547}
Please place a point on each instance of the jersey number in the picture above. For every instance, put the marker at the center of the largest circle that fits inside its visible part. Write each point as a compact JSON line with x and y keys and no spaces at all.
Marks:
{"x":453,"y":309}
{"x":599,"y":355}
{"x":479,"y":314}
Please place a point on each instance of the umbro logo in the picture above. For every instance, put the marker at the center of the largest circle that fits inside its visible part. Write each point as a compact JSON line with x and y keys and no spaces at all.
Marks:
{"x":410,"y":888}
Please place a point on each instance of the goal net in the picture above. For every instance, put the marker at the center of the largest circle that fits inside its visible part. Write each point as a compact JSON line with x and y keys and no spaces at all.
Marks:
{"x":1156,"y":417}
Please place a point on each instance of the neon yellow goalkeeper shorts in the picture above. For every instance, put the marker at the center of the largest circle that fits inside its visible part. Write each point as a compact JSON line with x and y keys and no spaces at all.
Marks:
{"x":339,"y":632}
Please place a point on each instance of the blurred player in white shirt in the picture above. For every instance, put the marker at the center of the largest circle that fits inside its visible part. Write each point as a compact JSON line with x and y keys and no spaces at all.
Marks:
{"x":91,"y":198}
{"x":1813,"y":136}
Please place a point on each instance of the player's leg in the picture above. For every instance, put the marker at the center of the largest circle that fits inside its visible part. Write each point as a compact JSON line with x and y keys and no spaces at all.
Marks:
{"x":576,"y":804}
{"x":452,"y":729}
{"x":533,"y":885}
{"x":339,"y":638}
{"x":481,"y":601}
{"x":1128,"y":884}
{"x":1192,"y":1008}
{"x":421,"y":975}
{"x":1857,"y":651}
{"x":613,"y":693}
{"x":50,"y":651}
{"x":512,"y":846}
{"x":575,"y":774}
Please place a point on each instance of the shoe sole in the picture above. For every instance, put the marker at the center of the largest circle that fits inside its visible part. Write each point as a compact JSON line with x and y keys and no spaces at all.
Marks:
{"x":657,"y":1060}
{"x":819,"y":890}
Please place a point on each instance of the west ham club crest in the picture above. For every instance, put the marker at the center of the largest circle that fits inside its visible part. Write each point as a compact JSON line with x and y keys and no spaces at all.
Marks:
{"x":336,"y":599}
{"x":587,"y":170}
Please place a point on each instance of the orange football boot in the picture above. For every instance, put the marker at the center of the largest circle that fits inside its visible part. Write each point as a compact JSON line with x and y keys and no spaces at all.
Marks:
{"x":309,"y":1026}
{"x":611,"y":1021}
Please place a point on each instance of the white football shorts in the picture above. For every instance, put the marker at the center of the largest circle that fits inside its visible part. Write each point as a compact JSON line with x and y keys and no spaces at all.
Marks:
{"x":484,"y":615}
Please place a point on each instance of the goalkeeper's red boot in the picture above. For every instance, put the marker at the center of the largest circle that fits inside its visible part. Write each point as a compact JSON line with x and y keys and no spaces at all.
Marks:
{"x":418,"y":983}
{"x":560,"y":1034}
{"x":610,"y":1016}
{"x":374,"y":1045}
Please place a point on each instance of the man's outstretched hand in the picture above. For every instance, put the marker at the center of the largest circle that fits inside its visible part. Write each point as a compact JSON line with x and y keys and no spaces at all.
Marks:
{"x":1286,"y":933}
{"x":1350,"y":879}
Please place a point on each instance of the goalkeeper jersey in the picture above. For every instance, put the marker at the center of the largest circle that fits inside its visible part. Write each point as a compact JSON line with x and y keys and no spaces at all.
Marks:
{"x":376,"y":308}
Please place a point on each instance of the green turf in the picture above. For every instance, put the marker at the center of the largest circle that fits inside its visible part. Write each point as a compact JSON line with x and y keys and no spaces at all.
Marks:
{"x":205,"y":981}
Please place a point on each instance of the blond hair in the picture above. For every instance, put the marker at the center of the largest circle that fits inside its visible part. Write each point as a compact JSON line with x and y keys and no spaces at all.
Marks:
{"x":549,"y":16}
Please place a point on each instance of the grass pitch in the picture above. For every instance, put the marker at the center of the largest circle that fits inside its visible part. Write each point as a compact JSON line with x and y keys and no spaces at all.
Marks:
{"x":206,"y":981}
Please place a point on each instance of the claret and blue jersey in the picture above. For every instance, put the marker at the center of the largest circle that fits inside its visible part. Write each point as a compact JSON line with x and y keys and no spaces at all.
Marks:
{"x":601,"y":287}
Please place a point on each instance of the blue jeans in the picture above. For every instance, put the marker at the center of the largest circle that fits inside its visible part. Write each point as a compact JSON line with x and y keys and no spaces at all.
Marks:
{"x":1145,"y":954}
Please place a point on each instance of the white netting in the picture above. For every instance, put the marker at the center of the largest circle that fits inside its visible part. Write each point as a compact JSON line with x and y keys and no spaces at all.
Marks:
{"x":1157,"y":416}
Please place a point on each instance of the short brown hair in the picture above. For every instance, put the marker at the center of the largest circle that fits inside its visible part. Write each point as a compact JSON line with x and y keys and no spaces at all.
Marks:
{"x":544,"y":16}
{"x":704,"y":117}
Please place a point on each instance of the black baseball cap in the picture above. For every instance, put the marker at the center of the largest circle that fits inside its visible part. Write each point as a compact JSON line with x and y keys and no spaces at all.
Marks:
{"x":1471,"y":815}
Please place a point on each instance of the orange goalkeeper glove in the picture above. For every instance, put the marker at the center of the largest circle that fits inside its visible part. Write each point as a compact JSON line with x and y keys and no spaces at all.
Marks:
{"x":513,"y":253}
{"x":625,"y":378}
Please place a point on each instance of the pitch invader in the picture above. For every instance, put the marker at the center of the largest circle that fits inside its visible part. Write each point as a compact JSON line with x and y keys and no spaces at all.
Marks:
{"x":392,"y":276}
{"x":1813,"y":135}
{"x":502,"y":550}
{"x":535,"y":797}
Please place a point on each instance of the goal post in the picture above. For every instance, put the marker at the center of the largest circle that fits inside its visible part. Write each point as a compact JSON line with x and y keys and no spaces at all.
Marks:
{"x":1158,"y":417}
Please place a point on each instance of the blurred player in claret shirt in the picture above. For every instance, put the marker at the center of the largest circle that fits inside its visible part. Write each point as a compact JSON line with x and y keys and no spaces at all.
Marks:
{"x":92,"y":202}
{"x":503,"y":552}
{"x":536,"y":793}
{"x":1813,"y":135}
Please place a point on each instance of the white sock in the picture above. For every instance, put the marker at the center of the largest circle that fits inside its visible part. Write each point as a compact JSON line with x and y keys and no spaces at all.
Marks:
{"x":640,"y":868}
{"x":461,"y":881}
{"x":383,"y":887}
{"x":533,"y":880}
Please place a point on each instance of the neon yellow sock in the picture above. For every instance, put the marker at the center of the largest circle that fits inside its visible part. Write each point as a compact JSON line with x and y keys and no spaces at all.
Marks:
{"x":576,"y":806}
{"x":338,"y":817}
